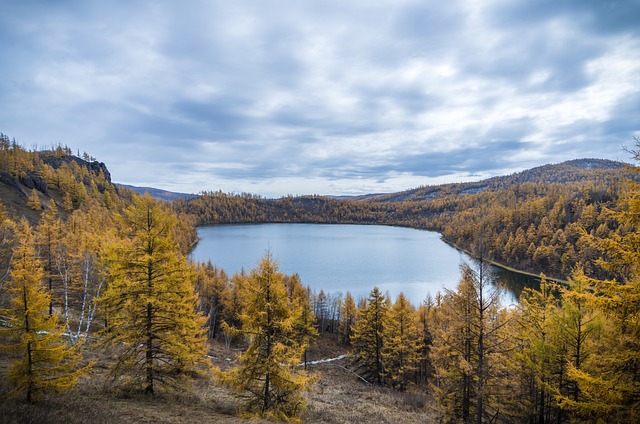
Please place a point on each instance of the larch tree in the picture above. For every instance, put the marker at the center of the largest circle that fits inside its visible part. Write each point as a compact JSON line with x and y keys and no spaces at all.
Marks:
{"x":540,"y":360}
{"x":428,"y":320}
{"x":232,"y":320}
{"x":7,"y":238}
{"x":212,"y":285}
{"x":151,"y":303}
{"x":368,"y":338}
{"x":266,"y":377}
{"x":45,"y":363}
{"x":609,"y":381}
{"x":401,"y":351}
{"x":321,"y":308}
{"x":48,"y":234}
{"x":304,"y":326}
{"x":580,"y":325}
{"x":348,"y":312}
{"x":452,"y":352}
{"x":34,"y":200}
{"x":469,"y":348}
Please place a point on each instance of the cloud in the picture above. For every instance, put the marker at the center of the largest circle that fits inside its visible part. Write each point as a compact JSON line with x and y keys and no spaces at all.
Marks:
{"x":341,"y":97}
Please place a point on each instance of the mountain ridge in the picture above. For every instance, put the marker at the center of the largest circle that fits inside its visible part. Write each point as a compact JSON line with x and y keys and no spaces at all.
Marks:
{"x":568,"y":171}
{"x":572,"y":170}
{"x":156,"y":193}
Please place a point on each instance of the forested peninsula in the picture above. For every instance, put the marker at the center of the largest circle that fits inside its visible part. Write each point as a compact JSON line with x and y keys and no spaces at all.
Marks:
{"x":100,"y":304}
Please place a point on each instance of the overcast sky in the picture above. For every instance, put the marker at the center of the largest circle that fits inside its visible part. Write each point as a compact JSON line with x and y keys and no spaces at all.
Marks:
{"x":323,"y":96}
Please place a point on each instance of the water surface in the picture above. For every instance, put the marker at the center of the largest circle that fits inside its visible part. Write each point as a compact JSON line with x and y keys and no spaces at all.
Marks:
{"x":337,"y":258}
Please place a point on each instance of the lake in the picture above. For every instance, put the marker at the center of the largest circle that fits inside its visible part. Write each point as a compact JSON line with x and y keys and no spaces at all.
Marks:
{"x":337,"y":258}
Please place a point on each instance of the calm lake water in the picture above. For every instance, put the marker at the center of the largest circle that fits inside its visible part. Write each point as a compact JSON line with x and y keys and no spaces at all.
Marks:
{"x":338,"y":258}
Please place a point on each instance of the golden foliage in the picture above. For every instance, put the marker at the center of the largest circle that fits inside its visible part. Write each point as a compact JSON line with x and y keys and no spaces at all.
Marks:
{"x":267,"y":378}
{"x":150,"y":302}
{"x":46,"y":363}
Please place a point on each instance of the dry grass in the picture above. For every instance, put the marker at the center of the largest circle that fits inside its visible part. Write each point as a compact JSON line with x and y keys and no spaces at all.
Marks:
{"x":337,"y":397}
{"x":340,"y":397}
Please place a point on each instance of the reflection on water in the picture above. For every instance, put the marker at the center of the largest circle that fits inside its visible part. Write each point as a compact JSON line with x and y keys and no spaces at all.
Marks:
{"x":337,"y":258}
{"x":514,"y":282}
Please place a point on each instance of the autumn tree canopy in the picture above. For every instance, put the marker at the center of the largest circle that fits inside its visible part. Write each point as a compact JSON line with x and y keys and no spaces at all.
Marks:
{"x":150,"y":303}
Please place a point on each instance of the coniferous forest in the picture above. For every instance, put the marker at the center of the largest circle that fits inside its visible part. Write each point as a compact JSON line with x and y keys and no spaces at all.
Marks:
{"x":103,"y":317}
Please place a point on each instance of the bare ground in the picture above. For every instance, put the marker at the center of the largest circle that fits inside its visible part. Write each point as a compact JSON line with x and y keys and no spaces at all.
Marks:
{"x":336,"y":397}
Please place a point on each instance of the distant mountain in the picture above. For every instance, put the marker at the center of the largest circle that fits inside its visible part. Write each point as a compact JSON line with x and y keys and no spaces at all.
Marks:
{"x":571,"y":171}
{"x":157,"y":193}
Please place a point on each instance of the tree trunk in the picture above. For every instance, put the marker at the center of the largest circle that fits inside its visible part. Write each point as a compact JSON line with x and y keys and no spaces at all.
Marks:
{"x":149,"y":353}
{"x":29,"y":358}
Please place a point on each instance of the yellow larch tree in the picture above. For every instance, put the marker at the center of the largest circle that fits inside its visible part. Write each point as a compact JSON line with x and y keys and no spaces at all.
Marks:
{"x":45,"y":363}
{"x":305,"y":324}
{"x":348,"y":312}
{"x":368,"y":338}
{"x":7,"y":238}
{"x":401,"y":350}
{"x":580,"y":327}
{"x":607,"y":378}
{"x":48,"y":234}
{"x":266,"y":376}
{"x":34,"y":200}
{"x":212,"y":286}
{"x":232,"y":320}
{"x":470,"y":348}
{"x":540,"y":359}
{"x":150,"y":302}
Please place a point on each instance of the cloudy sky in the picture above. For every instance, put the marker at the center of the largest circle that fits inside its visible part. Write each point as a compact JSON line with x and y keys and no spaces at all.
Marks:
{"x":323,"y":96}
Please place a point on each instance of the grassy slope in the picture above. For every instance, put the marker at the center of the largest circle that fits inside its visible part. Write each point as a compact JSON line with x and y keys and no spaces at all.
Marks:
{"x":337,"y":397}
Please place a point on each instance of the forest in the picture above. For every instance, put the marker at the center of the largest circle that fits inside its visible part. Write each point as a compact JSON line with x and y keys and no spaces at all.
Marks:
{"x":98,"y":298}
{"x":540,"y":220}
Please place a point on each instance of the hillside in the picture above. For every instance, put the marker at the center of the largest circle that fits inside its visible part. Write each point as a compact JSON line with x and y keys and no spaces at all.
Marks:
{"x":54,"y":175}
{"x":156,"y":193}
{"x":569,"y":172}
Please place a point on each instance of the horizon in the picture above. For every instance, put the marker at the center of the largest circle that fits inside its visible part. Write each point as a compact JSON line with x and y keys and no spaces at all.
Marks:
{"x":334,"y":98}
{"x":368,"y":194}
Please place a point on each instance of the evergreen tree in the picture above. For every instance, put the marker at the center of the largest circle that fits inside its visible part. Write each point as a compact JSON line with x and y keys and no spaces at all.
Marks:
{"x":46,"y":363}
{"x":266,"y":376}
{"x":368,"y":338}
{"x":401,"y":350}
{"x":150,"y":301}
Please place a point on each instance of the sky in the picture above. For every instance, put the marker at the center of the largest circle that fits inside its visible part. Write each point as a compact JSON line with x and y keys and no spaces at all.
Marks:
{"x":321,"y":97}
